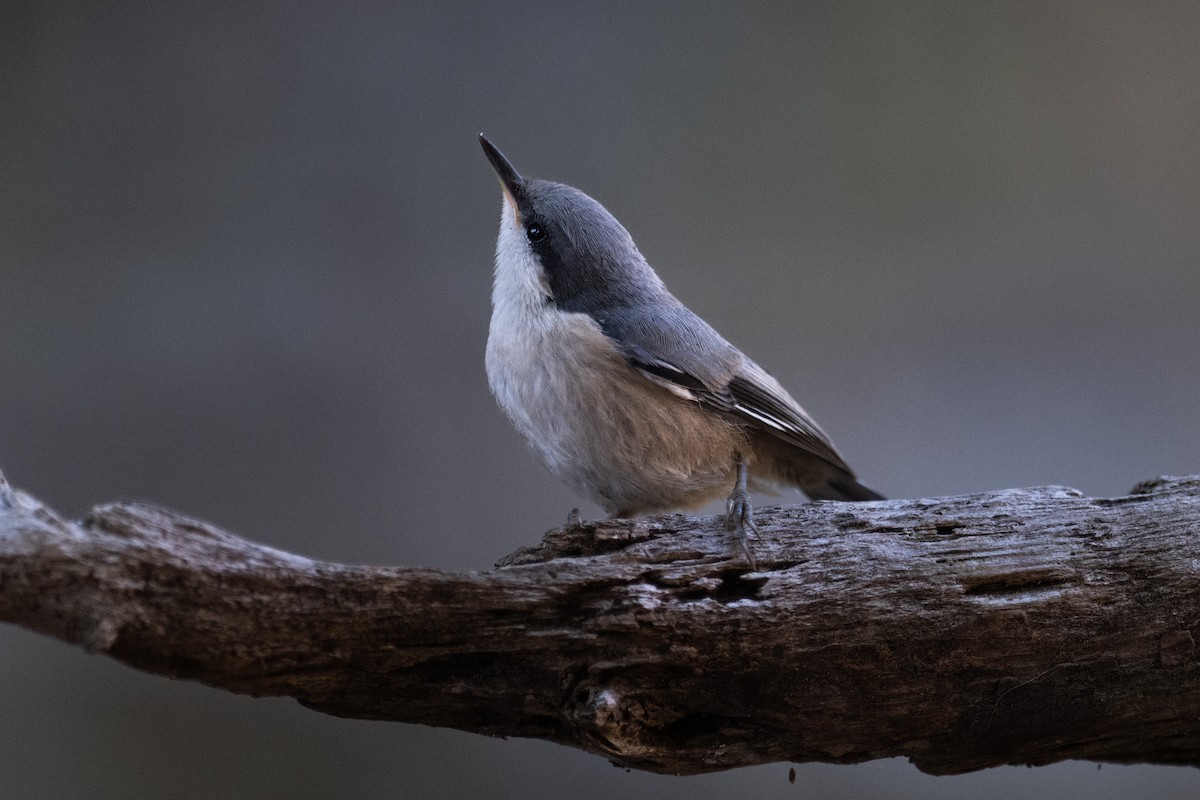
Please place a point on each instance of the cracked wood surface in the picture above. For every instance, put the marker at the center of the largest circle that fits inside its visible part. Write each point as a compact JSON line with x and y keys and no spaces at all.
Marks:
{"x":1014,"y":627}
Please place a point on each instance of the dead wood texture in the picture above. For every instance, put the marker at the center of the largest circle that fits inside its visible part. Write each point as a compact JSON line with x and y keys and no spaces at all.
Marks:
{"x":1017,"y":627}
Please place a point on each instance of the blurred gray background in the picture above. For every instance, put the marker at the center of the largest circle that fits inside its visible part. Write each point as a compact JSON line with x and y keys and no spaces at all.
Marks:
{"x":245,"y":264}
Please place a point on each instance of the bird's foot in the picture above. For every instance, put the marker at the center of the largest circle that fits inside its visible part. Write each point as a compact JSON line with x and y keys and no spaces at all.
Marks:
{"x":741,"y":522}
{"x":574,"y":519}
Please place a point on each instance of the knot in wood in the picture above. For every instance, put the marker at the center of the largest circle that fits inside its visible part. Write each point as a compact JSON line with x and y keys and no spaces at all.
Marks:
{"x":610,"y":713}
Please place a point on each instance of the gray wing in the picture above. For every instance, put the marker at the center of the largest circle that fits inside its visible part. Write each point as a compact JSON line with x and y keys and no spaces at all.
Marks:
{"x":681,"y":352}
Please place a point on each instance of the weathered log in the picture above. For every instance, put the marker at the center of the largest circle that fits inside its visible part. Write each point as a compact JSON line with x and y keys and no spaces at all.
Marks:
{"x":1014,"y":627}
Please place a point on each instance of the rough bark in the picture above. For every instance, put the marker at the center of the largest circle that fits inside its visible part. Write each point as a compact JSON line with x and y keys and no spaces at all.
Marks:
{"x":1015,"y":627}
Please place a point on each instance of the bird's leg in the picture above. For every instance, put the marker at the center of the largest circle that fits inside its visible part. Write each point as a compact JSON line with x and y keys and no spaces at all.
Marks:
{"x":741,"y":516}
{"x":574,"y":519}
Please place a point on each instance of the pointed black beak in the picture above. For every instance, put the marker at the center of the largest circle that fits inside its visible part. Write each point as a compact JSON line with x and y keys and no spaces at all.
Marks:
{"x":511,"y":180}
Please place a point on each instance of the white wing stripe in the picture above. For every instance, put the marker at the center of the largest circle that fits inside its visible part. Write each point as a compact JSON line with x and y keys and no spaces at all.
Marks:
{"x":670,"y":386}
{"x":763,"y":418}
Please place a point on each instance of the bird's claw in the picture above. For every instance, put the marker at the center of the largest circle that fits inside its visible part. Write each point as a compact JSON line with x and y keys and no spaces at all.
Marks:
{"x":741,"y":521}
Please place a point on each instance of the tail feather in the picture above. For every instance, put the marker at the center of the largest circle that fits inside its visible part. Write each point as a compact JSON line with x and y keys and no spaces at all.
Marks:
{"x":842,"y":487}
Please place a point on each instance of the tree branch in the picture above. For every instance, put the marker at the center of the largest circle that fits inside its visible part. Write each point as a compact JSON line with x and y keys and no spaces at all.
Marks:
{"x":1024,"y":626}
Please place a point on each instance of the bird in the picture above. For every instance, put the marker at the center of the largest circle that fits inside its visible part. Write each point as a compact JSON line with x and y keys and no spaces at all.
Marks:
{"x":622,"y":391}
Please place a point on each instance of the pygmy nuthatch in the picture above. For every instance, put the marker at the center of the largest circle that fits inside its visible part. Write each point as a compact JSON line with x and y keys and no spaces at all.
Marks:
{"x":622,"y":391}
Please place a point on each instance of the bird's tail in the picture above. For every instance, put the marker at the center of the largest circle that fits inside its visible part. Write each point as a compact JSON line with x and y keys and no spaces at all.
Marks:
{"x":842,"y":486}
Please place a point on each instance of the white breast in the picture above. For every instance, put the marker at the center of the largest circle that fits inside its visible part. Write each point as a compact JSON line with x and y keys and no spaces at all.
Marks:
{"x":596,"y":422}
{"x":539,"y":357}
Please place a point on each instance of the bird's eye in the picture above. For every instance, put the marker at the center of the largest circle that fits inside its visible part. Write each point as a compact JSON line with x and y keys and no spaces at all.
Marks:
{"x":535,"y":232}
